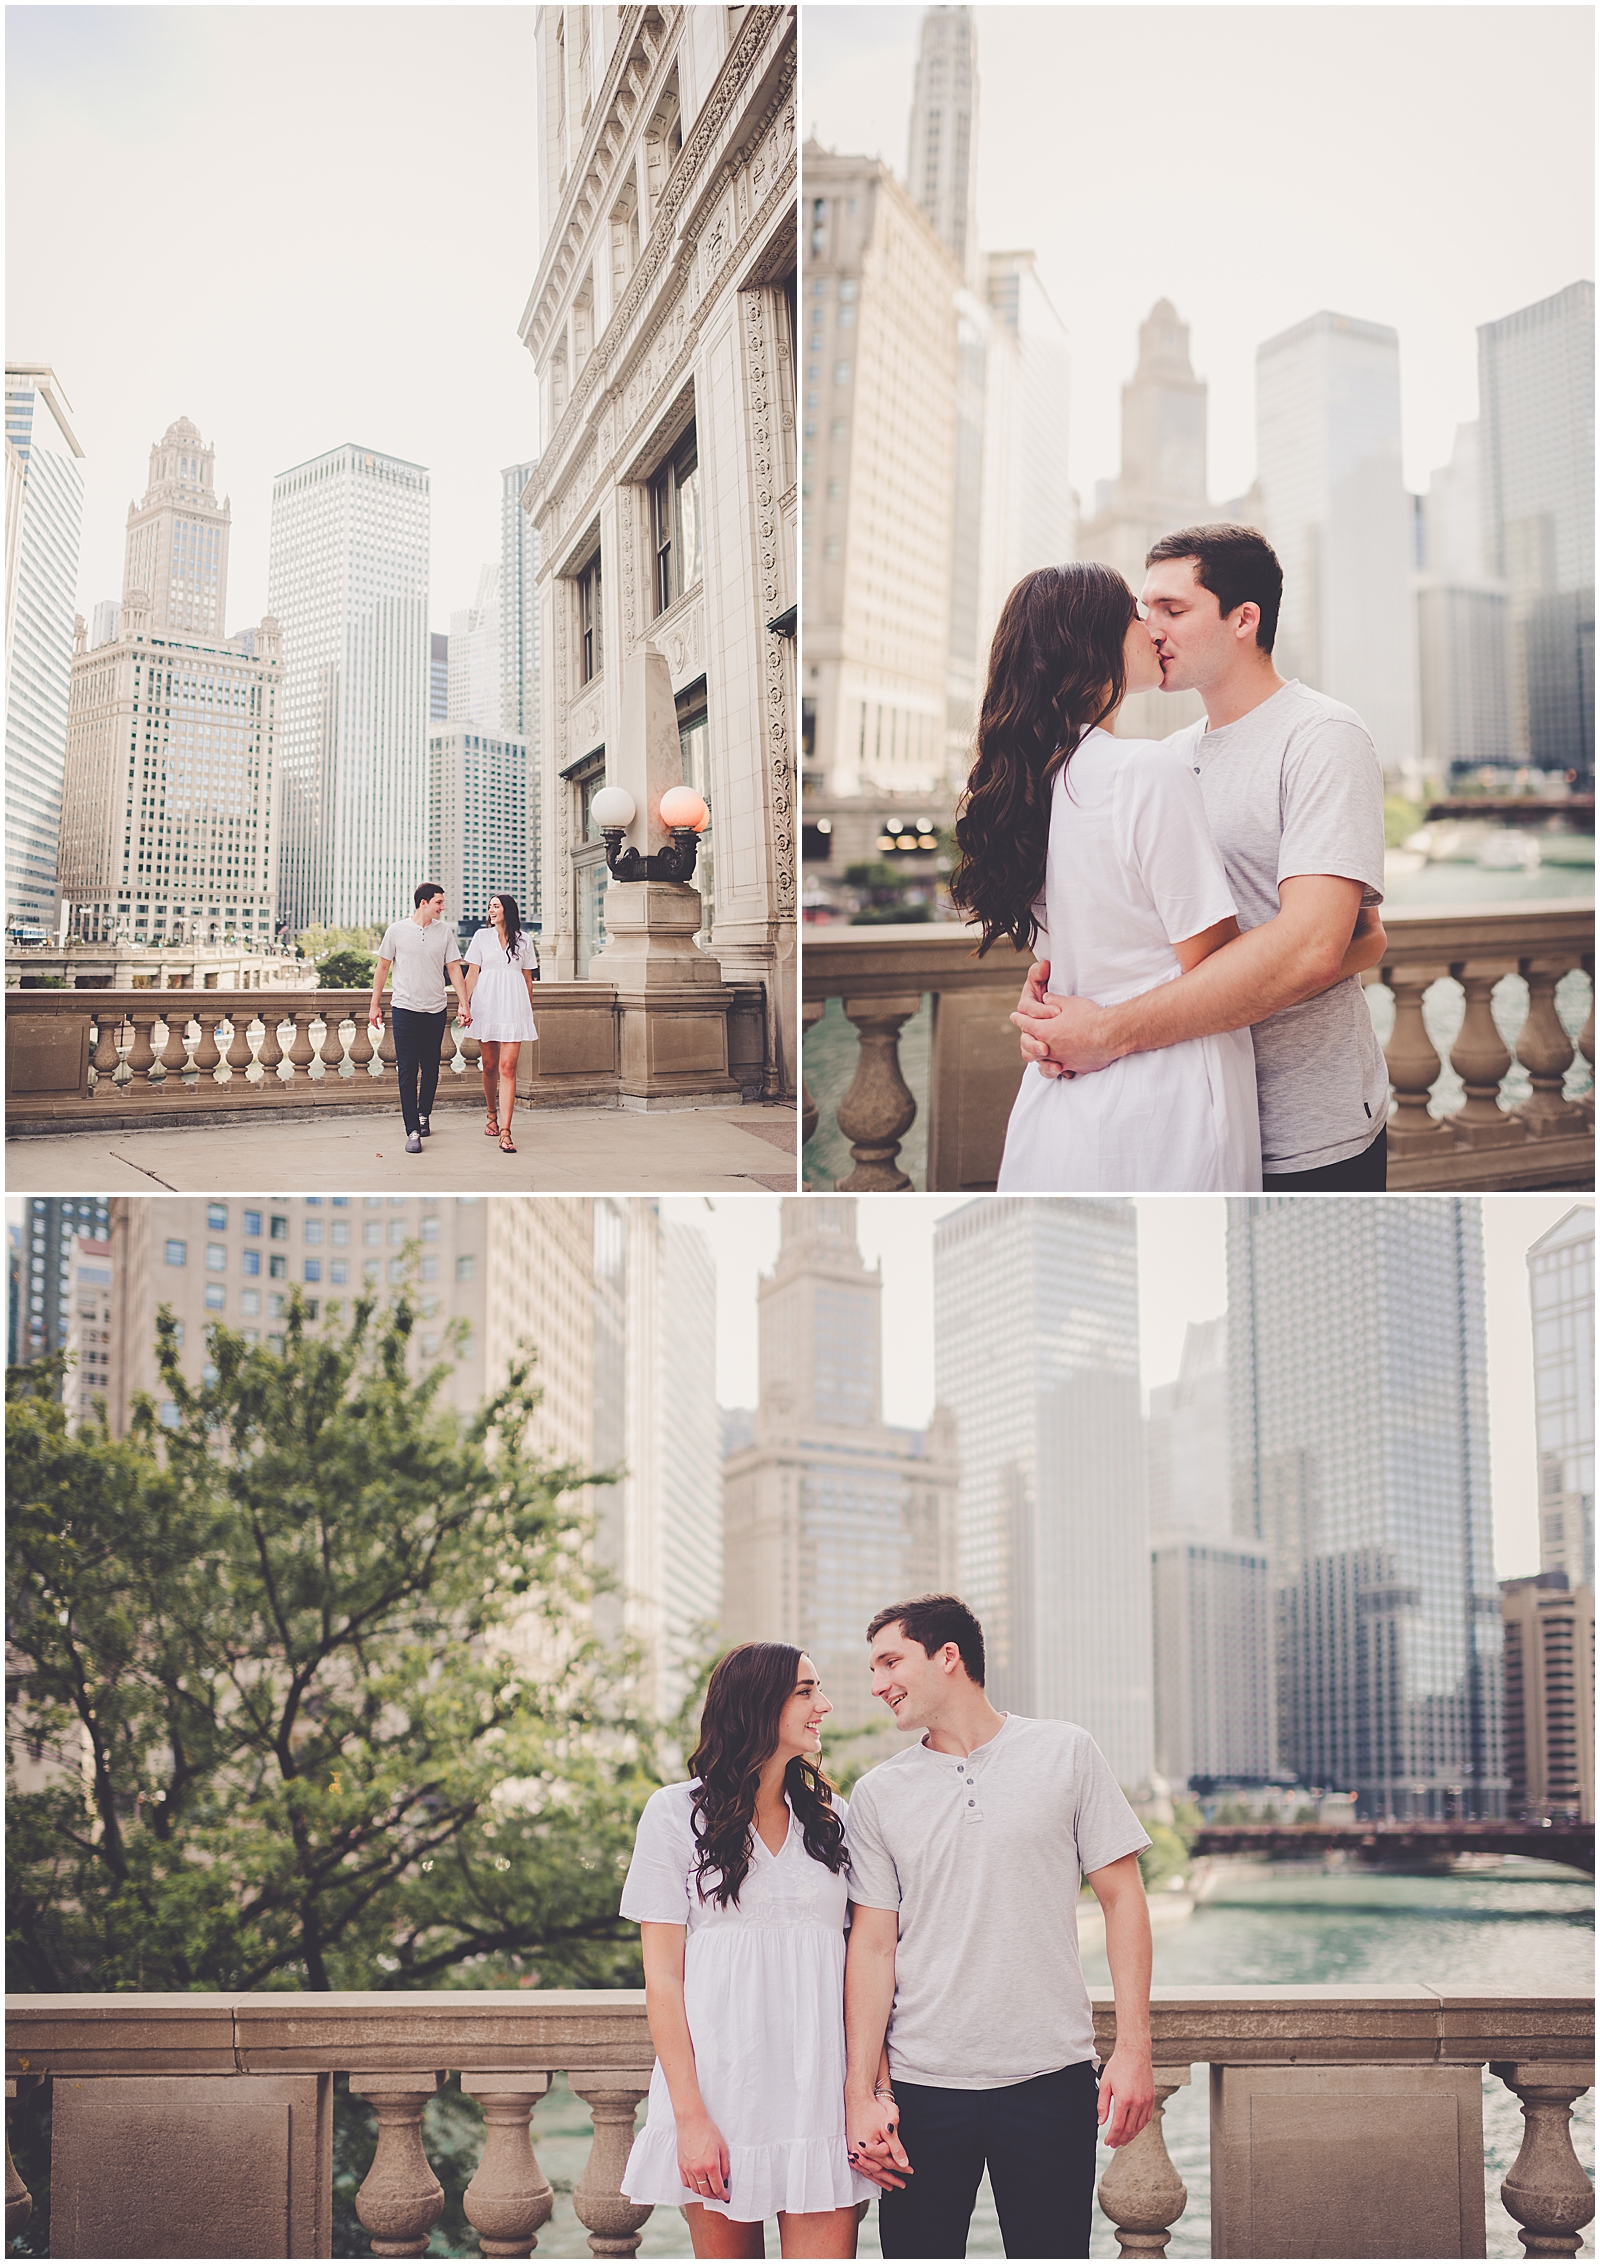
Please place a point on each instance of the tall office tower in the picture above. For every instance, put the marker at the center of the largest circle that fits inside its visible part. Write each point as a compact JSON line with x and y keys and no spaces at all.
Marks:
{"x":1161,"y":486}
{"x":1360,"y":1429}
{"x":88,"y":1377}
{"x":1561,"y":1292}
{"x":1035,"y":517}
{"x":173,"y":734}
{"x":1549,"y":1698}
{"x":479,"y":837}
{"x":474,"y":682}
{"x":878,"y":478}
{"x":104,"y":627}
{"x":438,"y":677}
{"x":51,"y":1227}
{"x":1328,"y":453}
{"x":1536,"y":404}
{"x":348,"y":580}
{"x":829,"y":1512}
{"x":1036,"y":1354}
{"x":1211,"y":1613}
{"x":519,"y":647}
{"x":176,"y":547}
{"x":1188,"y":1470}
{"x":1463,"y":626}
{"x":44,"y":515}
{"x":942,"y":153}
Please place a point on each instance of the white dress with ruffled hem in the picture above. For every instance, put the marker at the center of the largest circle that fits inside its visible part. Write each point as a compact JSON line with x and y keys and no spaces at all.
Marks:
{"x":763,"y":1987}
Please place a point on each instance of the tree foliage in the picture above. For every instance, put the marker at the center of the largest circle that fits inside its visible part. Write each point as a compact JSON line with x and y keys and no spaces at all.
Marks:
{"x":288,"y":1740}
{"x":317,"y":942}
{"x":346,"y":970}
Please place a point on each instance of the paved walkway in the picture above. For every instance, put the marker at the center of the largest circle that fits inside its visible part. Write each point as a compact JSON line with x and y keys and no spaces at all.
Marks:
{"x":560,"y":1151}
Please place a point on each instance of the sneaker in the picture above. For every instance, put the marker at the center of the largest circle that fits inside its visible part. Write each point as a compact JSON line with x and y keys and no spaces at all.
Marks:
{"x":426,"y":1128}
{"x":413,"y":1143}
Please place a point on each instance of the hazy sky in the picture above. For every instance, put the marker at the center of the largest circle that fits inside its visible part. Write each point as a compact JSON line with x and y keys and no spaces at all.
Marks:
{"x":296,"y":225}
{"x":1182,"y":1278}
{"x":1428,"y":167}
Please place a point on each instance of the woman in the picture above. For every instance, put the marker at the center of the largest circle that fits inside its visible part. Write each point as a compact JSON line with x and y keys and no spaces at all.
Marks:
{"x":738,"y":1884}
{"x":500,"y":968}
{"x":1094,"y":852}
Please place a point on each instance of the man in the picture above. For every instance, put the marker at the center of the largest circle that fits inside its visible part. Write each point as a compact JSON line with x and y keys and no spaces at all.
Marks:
{"x":966,"y":1852}
{"x":1294,"y":795}
{"x":421,"y":951}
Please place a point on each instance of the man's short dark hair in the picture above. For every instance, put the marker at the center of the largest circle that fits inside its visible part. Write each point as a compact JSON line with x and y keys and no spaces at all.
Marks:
{"x":934,"y":1621}
{"x":1236,"y":564}
{"x":423,"y":891}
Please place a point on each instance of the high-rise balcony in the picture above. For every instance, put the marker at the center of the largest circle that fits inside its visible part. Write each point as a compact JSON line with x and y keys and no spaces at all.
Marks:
{"x":1344,"y":2122}
{"x":1486,"y":1017}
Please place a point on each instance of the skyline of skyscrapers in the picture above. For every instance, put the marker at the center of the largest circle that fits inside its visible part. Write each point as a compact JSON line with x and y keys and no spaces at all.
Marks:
{"x":479,"y":835}
{"x":1561,"y":1292}
{"x":44,"y":518}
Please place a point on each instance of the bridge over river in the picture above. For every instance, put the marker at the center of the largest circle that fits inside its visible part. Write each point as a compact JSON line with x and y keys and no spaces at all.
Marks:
{"x":1399,"y":1846}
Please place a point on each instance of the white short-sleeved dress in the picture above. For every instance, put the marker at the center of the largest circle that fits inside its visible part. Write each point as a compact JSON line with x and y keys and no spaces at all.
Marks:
{"x":500,"y":1009}
{"x":1130,"y":871}
{"x":763,"y":1987}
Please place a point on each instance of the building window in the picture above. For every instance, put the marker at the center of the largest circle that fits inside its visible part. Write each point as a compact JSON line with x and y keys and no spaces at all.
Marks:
{"x":372,"y":1232}
{"x":216,"y":1218}
{"x":313,"y":1269}
{"x":278,"y":1268}
{"x":216,"y":1257}
{"x":177,"y":1253}
{"x":430,"y":1230}
{"x":313,"y":1230}
{"x":280,"y":1229}
{"x":216,"y":1297}
{"x":339,"y":1269}
{"x":250,"y":1261}
{"x":466,"y":1266}
{"x":675,"y":522}
{"x":249,"y":1300}
{"x":252,"y":1222}
{"x":591,"y":652}
{"x":430,"y":1265}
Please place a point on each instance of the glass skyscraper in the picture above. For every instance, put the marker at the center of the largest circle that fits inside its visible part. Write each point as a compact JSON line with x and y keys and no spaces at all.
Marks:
{"x":348,"y":582}
{"x":1036,"y":1355}
{"x":519,"y":648}
{"x":44,"y":515}
{"x":1561,"y":1291}
{"x":1360,"y":1441}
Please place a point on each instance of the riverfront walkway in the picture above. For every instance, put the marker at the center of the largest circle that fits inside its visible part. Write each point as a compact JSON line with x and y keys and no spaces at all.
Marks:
{"x":715,"y":1151}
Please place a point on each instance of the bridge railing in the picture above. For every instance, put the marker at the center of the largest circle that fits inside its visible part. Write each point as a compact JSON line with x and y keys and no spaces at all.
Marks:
{"x":1569,"y":1843}
{"x":1344,"y":2122}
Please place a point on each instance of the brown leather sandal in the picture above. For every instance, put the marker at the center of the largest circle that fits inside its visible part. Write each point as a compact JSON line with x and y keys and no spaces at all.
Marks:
{"x":508,"y":1146}
{"x":491,"y":1130}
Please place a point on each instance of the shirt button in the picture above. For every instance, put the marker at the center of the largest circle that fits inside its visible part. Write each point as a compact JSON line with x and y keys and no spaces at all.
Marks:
{"x":972,"y":1804}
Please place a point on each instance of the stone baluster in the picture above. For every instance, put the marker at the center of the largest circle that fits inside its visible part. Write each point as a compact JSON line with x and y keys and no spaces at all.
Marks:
{"x":400,"y":2200}
{"x":335,"y":1044}
{"x":386,"y":1043}
{"x":174,"y":1056}
{"x":879,"y":1109}
{"x":207,"y":1054}
{"x":19,"y":2201}
{"x":613,"y":2097}
{"x":1546,"y":2189}
{"x":361,"y":1046}
{"x":1414,"y":1065}
{"x":107,"y":1060}
{"x":1586,"y":1041}
{"x":447,"y":1050}
{"x":1141,"y":2192}
{"x":271,"y":1053}
{"x":302,"y":1053}
{"x":1481,"y":1058}
{"x":239,"y":1055}
{"x":471,"y":1051}
{"x":811,"y":1014}
{"x":1545,"y":1051}
{"x":509,"y":2197}
{"x":142,"y":1052}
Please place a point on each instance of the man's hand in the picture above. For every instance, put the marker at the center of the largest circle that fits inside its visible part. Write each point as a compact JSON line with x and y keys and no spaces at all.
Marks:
{"x":1127,"y":2094}
{"x":375,"y":1015}
{"x":702,"y":2157}
{"x":872,"y":2141}
{"x":1034,"y":993}
{"x":1068,"y":1032}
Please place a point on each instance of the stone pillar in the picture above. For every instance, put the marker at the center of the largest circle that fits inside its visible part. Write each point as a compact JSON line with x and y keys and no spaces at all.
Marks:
{"x":509,"y":2197}
{"x":650,"y":930}
{"x":1545,"y":1051}
{"x":1141,"y":2192}
{"x":879,"y":1109}
{"x":1481,"y":1057}
{"x":1547,"y":2190}
{"x":647,"y":759}
{"x":613,"y":2096}
{"x":811,"y":1014}
{"x":400,"y":2200}
{"x":1413,"y":1065}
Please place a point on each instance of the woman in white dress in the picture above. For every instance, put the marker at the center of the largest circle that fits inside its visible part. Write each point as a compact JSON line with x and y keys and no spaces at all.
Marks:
{"x":1094,"y":853}
{"x":738,"y":1885}
{"x":501,"y":967}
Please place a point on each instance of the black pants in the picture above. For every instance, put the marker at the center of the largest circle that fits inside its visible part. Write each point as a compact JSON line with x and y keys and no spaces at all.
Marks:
{"x":1365,"y":1174}
{"x":417,"y":1039}
{"x":1038,"y":2139}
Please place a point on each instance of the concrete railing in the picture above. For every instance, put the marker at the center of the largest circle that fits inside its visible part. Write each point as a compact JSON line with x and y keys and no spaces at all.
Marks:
{"x":124,"y":1060}
{"x":1343,"y":2122}
{"x":1457,"y":980}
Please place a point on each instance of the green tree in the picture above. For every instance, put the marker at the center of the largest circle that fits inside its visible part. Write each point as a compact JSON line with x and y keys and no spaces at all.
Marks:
{"x":296,"y":1748}
{"x":318,"y":942}
{"x":346,"y":970}
{"x":883,"y":889}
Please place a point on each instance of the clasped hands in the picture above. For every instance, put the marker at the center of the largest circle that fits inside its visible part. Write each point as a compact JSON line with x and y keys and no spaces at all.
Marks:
{"x":1062,"y":1037}
{"x":872,"y":2140}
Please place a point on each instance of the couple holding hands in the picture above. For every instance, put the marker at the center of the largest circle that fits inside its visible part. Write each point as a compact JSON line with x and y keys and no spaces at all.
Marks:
{"x":883,"y":1997}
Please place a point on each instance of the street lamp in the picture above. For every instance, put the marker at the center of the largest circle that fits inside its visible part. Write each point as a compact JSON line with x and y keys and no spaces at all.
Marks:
{"x":681,"y":810}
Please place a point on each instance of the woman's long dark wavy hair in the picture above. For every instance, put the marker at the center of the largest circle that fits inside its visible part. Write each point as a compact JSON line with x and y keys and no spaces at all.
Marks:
{"x":508,"y":905}
{"x":1056,"y":668}
{"x":749,"y":1688}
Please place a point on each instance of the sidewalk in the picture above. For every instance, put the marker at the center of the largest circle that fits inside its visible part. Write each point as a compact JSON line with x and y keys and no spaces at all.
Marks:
{"x":560,"y":1151}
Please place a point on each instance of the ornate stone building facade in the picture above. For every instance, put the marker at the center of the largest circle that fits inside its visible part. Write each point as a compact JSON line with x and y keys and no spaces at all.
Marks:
{"x":661,"y":323}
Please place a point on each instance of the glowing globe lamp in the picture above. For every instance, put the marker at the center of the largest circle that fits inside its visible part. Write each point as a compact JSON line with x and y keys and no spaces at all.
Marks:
{"x":682,"y":807}
{"x":613,"y":807}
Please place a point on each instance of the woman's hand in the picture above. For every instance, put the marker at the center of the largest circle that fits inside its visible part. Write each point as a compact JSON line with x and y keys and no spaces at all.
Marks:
{"x":702,"y":2157}
{"x":872,"y":2140}
{"x":1035,"y":991}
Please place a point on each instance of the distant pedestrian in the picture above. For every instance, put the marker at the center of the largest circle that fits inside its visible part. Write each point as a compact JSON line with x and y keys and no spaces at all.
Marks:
{"x":422,"y":951}
{"x":502,"y":967}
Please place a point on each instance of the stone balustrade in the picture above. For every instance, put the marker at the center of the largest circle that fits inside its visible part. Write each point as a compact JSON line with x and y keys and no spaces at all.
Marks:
{"x":148,"y":1060}
{"x":1466,"y":1003}
{"x":1343,"y":2122}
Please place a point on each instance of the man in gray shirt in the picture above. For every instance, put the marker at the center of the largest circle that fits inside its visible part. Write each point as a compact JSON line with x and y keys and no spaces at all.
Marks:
{"x":966,"y":1852}
{"x":1293,"y":793}
{"x":421,"y":950}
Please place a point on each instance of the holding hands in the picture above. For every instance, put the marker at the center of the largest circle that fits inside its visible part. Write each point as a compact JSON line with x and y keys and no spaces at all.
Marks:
{"x":1060,"y":1036}
{"x":872,"y":2139}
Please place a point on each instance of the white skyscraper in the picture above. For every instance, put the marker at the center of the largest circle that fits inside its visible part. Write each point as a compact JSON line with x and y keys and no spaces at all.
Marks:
{"x":1337,"y":514}
{"x":480,"y":838}
{"x":1188,"y":1473}
{"x":176,"y":547}
{"x":519,"y":647}
{"x":475,"y":688}
{"x":1211,"y":1608}
{"x":44,"y":514}
{"x":1561,"y":1290}
{"x":348,"y":581}
{"x":104,"y":625}
{"x":1036,"y":1354}
{"x":942,"y":151}
{"x":1464,"y":663}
